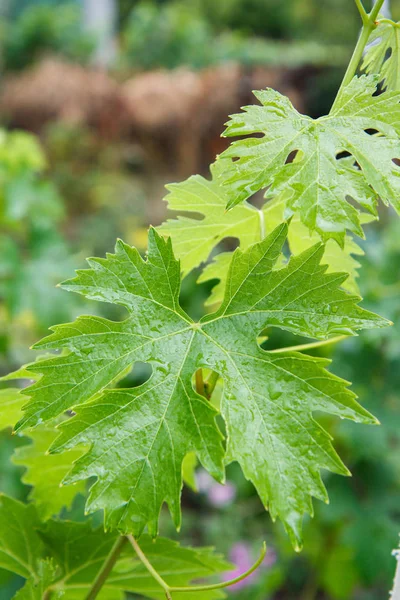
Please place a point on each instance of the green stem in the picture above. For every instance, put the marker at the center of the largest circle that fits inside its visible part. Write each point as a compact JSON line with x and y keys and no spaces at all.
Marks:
{"x":194,"y":588}
{"x":210,"y":383}
{"x":106,"y":568}
{"x":369,"y":25}
{"x":224,"y":584}
{"x":150,"y":567}
{"x":311,"y":345}
{"x":362,"y":11}
{"x":200,"y":382}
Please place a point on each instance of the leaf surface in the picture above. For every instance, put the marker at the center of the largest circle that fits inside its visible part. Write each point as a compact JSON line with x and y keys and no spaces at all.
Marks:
{"x":194,"y":240}
{"x":138,"y":437}
{"x":67,"y":556}
{"x":45,"y":472}
{"x":317,"y":184}
{"x":383,"y":54}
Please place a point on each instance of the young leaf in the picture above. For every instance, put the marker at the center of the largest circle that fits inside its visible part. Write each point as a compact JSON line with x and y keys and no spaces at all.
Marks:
{"x":67,"y":557}
{"x":37,"y":585}
{"x":138,"y":437}
{"x":45,"y":471}
{"x":81,"y":551}
{"x":11,"y":403}
{"x":194,"y":240}
{"x":317,"y":184}
{"x":383,"y":54}
{"x":20,"y":546}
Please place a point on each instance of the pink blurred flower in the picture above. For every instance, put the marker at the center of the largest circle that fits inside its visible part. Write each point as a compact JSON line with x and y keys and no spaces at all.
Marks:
{"x":218,"y":495}
{"x":241,"y":555}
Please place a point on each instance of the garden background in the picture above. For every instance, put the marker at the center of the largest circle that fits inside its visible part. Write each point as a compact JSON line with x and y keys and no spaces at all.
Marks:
{"x":101,"y":104}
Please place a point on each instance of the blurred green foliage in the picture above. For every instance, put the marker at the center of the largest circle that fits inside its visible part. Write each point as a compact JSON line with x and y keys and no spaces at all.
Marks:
{"x":41,"y":30}
{"x":77,"y":199}
{"x":199,"y":34}
{"x":34,"y":255}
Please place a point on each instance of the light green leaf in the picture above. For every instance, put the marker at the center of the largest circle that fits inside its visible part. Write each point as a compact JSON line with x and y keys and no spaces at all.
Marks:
{"x":193,"y":239}
{"x":318,"y":183}
{"x":68,"y":556}
{"x":37,"y":585}
{"x":189,"y":465}
{"x":138,"y":437}
{"x":81,"y":551}
{"x":20,"y":545}
{"x":337,"y":258}
{"x":383,"y":54}
{"x":11,"y":403}
{"x":45,"y":471}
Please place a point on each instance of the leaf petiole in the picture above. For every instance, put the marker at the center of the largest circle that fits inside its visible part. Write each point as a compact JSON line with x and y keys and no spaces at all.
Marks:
{"x":193,"y":588}
{"x":310,"y":345}
{"x":106,"y":568}
{"x":200,"y":383}
{"x":362,"y":11}
{"x":224,"y":584}
{"x":210,"y":383}
{"x":150,"y":567}
{"x":369,"y":25}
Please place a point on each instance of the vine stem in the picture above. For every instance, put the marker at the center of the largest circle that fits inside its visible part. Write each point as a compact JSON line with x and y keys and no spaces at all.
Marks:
{"x":106,"y":568}
{"x":200,"y":382}
{"x":150,"y":567}
{"x":311,"y":345}
{"x":224,"y":584}
{"x":369,"y":25}
{"x":210,"y":383}
{"x":195,"y":588}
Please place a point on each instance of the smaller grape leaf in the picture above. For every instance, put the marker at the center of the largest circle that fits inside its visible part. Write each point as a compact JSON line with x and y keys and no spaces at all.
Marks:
{"x":138,"y":437}
{"x":67,"y":556}
{"x":189,"y":465}
{"x":37,"y":585}
{"x":383,"y":54}
{"x":194,"y":240}
{"x":45,"y":472}
{"x":11,"y":403}
{"x":318,"y":183}
{"x":20,"y":546}
{"x":11,"y":399}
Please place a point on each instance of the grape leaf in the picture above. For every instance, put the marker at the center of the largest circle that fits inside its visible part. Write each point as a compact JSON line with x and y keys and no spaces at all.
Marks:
{"x":81,"y":551}
{"x":11,"y":399}
{"x":139,"y":436}
{"x":193,"y":239}
{"x":20,"y":546}
{"x":11,"y":403}
{"x":382,"y":55}
{"x":45,"y":471}
{"x":317,"y":184}
{"x":37,"y":585}
{"x":67,"y":556}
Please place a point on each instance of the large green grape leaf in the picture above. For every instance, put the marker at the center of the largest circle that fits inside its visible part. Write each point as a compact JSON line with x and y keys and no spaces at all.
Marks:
{"x":45,"y":472}
{"x":382,"y":55}
{"x":139,"y":436}
{"x":67,"y":556}
{"x":318,"y":183}
{"x":194,"y":240}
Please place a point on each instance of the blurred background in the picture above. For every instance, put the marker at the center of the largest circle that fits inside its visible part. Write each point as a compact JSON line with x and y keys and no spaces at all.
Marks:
{"x":101,"y":103}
